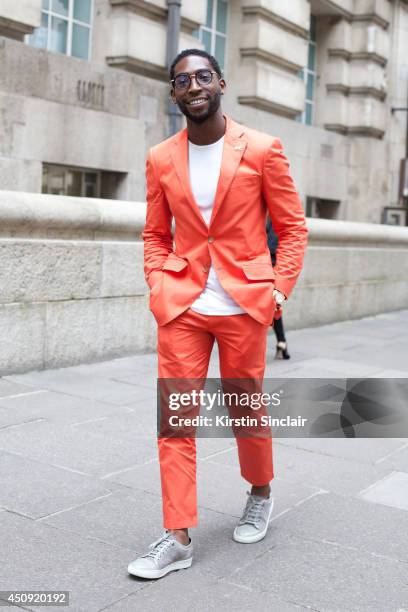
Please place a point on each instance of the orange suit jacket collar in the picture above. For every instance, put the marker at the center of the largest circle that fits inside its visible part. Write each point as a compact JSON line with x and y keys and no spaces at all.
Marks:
{"x":235,"y":144}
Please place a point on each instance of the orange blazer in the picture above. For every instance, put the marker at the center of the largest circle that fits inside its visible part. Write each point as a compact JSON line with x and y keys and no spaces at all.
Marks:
{"x":254,"y":180}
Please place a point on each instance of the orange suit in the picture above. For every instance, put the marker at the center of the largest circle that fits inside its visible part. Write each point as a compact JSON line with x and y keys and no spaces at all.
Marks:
{"x":254,"y":179}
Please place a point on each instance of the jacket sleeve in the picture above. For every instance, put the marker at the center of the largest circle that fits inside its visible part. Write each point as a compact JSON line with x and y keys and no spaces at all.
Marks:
{"x":157,"y":236}
{"x":287,"y":216}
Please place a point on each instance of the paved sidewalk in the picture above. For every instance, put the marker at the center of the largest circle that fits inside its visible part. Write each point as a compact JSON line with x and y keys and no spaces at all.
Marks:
{"x":80,"y":492}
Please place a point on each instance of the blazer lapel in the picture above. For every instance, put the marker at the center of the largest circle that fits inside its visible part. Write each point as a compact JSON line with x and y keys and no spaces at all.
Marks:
{"x":234,"y":148}
{"x":179,"y":155}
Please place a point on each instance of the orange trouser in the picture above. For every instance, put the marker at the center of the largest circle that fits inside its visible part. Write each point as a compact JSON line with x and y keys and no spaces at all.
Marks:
{"x":184,"y":349}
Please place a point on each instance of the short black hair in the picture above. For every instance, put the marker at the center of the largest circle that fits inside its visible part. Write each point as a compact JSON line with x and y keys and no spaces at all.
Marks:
{"x":200,"y":53}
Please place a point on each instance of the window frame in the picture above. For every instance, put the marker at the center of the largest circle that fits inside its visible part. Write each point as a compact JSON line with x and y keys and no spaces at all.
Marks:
{"x":71,"y":21}
{"x":63,"y":168}
{"x":312,"y":72}
{"x":213,"y":32}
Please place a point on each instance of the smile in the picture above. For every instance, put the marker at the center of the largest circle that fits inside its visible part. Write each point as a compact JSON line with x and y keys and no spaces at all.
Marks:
{"x":197,"y":102}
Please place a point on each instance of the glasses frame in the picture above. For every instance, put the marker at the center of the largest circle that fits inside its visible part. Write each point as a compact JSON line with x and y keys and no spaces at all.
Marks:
{"x":190,"y":76}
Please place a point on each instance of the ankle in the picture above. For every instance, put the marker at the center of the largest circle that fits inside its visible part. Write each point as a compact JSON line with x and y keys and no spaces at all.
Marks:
{"x":181,"y":535}
{"x":262,"y":491}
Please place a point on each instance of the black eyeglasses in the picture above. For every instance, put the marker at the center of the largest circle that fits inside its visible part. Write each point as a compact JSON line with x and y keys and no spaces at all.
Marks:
{"x":183,"y":80}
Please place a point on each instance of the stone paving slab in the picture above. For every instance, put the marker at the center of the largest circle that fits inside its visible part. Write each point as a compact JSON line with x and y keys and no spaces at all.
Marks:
{"x":210,"y":447}
{"x":349,"y":522}
{"x":327,"y":576}
{"x":223,"y":489}
{"x":208,"y":594}
{"x":394,"y":355}
{"x":303,"y":466}
{"x":81,"y":385}
{"x":121,"y":366}
{"x":36,"y":489}
{"x":390,"y":373}
{"x":71,"y":448}
{"x":397,"y":460}
{"x":52,"y":406}
{"x":147,"y":382}
{"x":126,"y":518}
{"x":9,"y":388}
{"x":339,"y":369}
{"x":389,"y":491}
{"x":78,"y":458}
{"x":219,"y":487}
{"x":42,"y":557}
{"x":137,"y":423}
{"x":216,"y":553}
{"x":364,"y":450}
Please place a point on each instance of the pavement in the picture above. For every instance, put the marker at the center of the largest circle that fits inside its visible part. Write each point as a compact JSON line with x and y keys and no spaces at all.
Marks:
{"x":80,"y":492}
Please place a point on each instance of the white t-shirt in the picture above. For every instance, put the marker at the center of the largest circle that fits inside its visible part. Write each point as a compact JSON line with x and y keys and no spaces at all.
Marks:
{"x":204,"y":167}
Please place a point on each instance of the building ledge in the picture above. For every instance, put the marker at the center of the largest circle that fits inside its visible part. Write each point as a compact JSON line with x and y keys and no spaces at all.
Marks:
{"x":269,"y":106}
{"x":14,"y":29}
{"x":331,"y":9}
{"x":336,"y":127}
{"x":361,"y":55}
{"x":343,"y":53}
{"x":357,"y":130}
{"x":370,"y":57}
{"x":262,"y":13}
{"x":372,"y":18}
{"x":131,"y":64}
{"x":47,"y":215}
{"x":372,"y":92}
{"x":141,"y":7}
{"x":362,"y":130}
{"x":153,"y":11}
{"x":270,"y":58}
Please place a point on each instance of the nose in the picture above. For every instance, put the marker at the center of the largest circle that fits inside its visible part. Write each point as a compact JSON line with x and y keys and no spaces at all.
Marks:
{"x":194,"y":85}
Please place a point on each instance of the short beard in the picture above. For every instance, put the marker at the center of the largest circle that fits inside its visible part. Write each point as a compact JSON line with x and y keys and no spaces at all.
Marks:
{"x":213,"y":106}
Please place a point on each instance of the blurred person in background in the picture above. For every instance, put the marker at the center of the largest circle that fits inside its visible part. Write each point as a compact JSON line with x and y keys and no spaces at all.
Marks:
{"x":281,"y":344}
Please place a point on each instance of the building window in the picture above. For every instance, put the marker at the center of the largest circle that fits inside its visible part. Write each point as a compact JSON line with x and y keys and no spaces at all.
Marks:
{"x":308,"y":75}
{"x":61,"y":180}
{"x":65,"y":28}
{"x":213,"y":34}
{"x":322,"y":209}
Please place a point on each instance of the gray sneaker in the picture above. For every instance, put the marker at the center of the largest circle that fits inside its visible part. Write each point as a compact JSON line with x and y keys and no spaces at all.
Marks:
{"x":165,"y":555}
{"x":253,"y":524}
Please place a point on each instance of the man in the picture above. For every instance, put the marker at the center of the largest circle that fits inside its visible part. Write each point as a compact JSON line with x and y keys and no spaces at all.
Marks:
{"x":214,"y":281}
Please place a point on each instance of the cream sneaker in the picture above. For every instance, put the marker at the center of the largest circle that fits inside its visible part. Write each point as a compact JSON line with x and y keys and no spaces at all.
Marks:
{"x":165,"y":555}
{"x":253,"y":524}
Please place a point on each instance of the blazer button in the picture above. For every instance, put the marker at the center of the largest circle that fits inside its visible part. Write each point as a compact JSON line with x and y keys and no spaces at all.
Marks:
{"x":211,"y":239}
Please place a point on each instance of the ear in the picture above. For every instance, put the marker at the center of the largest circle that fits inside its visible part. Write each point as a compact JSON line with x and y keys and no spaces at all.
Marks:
{"x":172,"y":95}
{"x":223,"y":85}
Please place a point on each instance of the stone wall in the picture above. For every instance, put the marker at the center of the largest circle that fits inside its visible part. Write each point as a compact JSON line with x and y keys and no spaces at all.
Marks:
{"x":105,"y":113}
{"x":62,"y":110}
{"x":72,"y":288}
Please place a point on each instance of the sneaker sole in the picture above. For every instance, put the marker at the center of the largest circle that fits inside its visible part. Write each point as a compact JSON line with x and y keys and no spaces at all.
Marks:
{"x":152,"y":574}
{"x":258,"y":536}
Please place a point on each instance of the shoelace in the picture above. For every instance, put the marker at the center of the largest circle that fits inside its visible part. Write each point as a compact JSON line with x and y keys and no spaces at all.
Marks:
{"x":159,"y":546}
{"x":252,"y":511}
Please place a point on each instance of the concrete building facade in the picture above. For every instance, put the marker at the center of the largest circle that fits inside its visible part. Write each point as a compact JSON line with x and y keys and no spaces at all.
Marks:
{"x":84,"y":92}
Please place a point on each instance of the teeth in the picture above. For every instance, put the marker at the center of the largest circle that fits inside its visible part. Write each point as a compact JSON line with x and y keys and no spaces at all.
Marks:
{"x":197,"y":101}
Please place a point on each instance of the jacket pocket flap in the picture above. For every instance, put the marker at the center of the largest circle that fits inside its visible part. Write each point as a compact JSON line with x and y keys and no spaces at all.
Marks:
{"x":258,"y":271}
{"x":175,"y":264}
